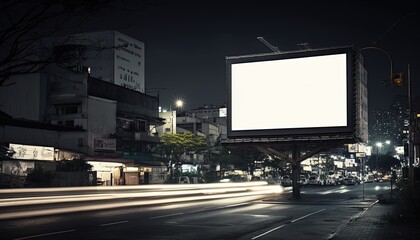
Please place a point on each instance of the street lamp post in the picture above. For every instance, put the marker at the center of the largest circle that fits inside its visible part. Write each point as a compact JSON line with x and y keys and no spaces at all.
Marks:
{"x":397,"y":80}
{"x":171,"y":119}
{"x":178,"y":104}
{"x":386,"y":53}
{"x":410,"y":131}
{"x":378,"y":146}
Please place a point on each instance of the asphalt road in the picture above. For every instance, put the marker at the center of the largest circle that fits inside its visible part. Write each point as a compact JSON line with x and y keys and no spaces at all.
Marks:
{"x":234,"y":213}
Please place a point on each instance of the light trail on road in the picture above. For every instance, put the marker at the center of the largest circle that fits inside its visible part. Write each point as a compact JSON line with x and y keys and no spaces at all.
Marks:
{"x":136,"y":199}
{"x":132,"y":187}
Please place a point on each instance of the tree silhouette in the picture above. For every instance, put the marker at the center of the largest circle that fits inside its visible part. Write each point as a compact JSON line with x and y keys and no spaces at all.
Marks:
{"x":75,"y":165}
{"x":382,"y":163}
{"x":175,"y":145}
{"x":24,"y":23}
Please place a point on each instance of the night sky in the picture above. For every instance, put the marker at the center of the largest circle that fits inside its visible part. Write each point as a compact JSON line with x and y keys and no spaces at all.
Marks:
{"x":186,"y":42}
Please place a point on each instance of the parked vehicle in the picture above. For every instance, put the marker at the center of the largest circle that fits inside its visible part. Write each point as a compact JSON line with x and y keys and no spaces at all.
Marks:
{"x":303,"y":180}
{"x":358,"y":179}
{"x":350,"y":180}
{"x":314,"y":180}
{"x":234,"y":178}
{"x":256,"y":178}
{"x":330,"y":181}
{"x":340,"y":179}
{"x":369,"y":179}
{"x":286,"y":181}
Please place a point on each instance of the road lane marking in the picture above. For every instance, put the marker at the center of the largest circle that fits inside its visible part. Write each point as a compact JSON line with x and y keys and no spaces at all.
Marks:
{"x":113,"y":223}
{"x":201,"y":210}
{"x":269,"y":231}
{"x":297,"y":219}
{"x":231,"y":205}
{"x":45,"y":234}
{"x":168,"y":215}
{"x":307,"y":215}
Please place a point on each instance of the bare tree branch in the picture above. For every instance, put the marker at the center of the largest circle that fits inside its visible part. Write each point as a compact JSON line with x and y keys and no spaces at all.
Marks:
{"x":24,"y":23}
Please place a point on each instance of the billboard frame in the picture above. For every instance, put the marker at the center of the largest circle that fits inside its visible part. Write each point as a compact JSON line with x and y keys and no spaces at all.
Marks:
{"x":342,"y":132}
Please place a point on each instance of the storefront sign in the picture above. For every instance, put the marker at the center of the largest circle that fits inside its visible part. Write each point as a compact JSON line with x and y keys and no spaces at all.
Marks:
{"x":29,"y":152}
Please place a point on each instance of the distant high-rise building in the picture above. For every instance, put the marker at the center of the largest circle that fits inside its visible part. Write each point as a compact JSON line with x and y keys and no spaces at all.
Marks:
{"x":390,"y":124}
{"x":399,"y":111}
{"x":107,"y":55}
{"x":380,"y":126}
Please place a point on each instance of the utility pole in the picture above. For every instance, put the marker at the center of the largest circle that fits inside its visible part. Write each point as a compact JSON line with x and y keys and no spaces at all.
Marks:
{"x":173,"y":121}
{"x":410,"y":131}
{"x":362,"y":160}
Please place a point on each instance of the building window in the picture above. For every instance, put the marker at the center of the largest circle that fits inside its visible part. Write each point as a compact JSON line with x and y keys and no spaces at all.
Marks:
{"x":68,"y":123}
{"x":141,"y":126}
{"x":125,"y":124}
{"x":72,"y":108}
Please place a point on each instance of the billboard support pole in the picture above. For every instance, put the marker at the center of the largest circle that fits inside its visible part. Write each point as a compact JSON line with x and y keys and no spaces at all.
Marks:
{"x":294,"y":160}
{"x":296,"y":171}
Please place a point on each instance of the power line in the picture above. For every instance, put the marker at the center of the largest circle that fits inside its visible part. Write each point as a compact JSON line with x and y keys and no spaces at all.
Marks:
{"x":393,"y":25}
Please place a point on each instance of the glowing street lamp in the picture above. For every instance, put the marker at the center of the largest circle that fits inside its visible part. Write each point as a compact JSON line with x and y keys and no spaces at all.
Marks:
{"x":378,"y":146}
{"x":179,"y":103}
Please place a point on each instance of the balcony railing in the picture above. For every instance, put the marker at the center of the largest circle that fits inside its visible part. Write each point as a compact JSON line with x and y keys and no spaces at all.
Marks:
{"x":138,"y":136}
{"x":145,"y":137}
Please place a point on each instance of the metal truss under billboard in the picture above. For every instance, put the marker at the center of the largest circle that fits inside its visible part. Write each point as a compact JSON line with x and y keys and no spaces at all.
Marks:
{"x":310,"y":94}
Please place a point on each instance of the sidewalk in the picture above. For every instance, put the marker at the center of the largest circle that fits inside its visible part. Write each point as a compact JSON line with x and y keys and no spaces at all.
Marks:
{"x":373,"y":224}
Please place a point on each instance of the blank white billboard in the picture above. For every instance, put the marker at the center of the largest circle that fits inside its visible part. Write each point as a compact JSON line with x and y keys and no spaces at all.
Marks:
{"x":304,"y":92}
{"x":294,"y":95}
